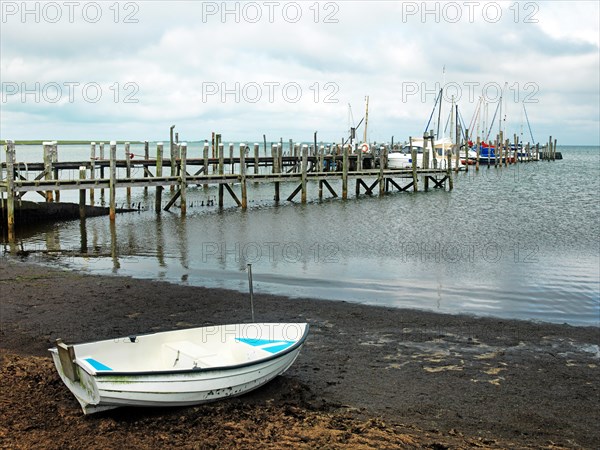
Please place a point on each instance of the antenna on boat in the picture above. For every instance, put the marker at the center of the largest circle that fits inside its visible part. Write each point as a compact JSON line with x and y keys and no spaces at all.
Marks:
{"x":251,"y":290}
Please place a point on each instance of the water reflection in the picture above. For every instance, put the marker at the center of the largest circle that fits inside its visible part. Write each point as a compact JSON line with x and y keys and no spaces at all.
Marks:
{"x":469,"y":250}
{"x":114,"y":246}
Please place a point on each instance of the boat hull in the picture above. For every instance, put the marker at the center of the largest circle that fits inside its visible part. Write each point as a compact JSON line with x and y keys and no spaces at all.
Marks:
{"x":97,"y":394}
{"x":105,"y":390}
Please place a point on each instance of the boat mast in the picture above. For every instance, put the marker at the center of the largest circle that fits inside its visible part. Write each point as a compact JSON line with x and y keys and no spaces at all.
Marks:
{"x":351,"y":125}
{"x":485,"y":116}
{"x":437,"y":134}
{"x":441,"y":100}
{"x":452,"y":122}
{"x":366,"y":119}
{"x":479,"y":113}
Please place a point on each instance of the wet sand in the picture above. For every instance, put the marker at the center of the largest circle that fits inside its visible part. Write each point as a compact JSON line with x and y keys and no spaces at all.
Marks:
{"x":368,"y":377}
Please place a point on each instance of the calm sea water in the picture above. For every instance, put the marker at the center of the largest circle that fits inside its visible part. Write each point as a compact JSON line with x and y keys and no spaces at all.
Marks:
{"x":519,"y":242}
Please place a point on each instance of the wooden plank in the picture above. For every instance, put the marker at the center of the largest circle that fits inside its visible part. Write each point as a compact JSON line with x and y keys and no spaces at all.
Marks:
{"x":232,"y":193}
{"x":66,"y":354}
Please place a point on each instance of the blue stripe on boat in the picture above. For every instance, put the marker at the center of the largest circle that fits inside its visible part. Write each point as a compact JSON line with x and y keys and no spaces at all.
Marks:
{"x":264,"y":344}
{"x":97,"y":365}
{"x":278,"y":348}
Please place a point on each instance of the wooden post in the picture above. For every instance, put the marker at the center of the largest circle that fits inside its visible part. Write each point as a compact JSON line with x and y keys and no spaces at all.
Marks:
{"x":10,"y":190}
{"x":425,"y":163}
{"x":183,"y":178}
{"x":205,"y":156}
{"x":101,"y":158}
{"x":231,"y":157}
{"x":449,"y":169}
{"x":506,"y":152}
{"x":243,"y":176}
{"x":215,"y":150}
{"x":256,"y":149}
{"x":159,"y":167}
{"x":113,"y":180}
{"x":172,"y":155}
{"x":382,"y":163}
{"x":92,"y":169}
{"x":48,"y":168}
{"x":128,"y":171}
{"x":554,"y":151}
{"x":478,"y":152}
{"x":457,"y":153}
{"x":221,"y":150}
{"x":294,"y":151}
{"x":280,"y":157}
{"x":54,"y":153}
{"x":359,"y":160}
{"x":304,"y":168}
{"x":345,"y":171}
{"x":498,"y":150}
{"x":434,"y":152}
{"x":276,"y":169}
{"x":82,"y":193}
{"x":146,"y":158}
{"x":466,"y":150}
{"x":413,"y":157}
{"x":321,"y":158}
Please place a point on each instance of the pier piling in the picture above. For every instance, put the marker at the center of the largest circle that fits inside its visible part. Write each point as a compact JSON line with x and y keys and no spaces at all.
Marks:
{"x":113,"y":178}
{"x":159,"y":166}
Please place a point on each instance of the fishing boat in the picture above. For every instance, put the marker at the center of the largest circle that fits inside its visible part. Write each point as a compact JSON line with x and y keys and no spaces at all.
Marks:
{"x":177,"y":368}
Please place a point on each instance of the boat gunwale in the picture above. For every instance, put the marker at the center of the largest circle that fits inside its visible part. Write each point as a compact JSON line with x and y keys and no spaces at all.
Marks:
{"x":290,"y":349}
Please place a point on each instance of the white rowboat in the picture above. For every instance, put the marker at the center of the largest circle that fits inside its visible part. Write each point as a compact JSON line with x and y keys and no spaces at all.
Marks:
{"x":178,"y":368}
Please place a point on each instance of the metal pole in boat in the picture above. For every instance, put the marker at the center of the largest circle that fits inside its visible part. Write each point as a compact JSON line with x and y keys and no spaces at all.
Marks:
{"x":251,"y":290}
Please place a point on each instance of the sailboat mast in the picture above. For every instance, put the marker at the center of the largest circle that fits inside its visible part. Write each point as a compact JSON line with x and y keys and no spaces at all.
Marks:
{"x":452,"y":122}
{"x":366,"y":119}
{"x":437,"y":135}
{"x":500,"y":119}
{"x":485,"y":116}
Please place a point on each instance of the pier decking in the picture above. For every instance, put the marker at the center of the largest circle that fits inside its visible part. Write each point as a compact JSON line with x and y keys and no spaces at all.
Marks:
{"x":302,"y":164}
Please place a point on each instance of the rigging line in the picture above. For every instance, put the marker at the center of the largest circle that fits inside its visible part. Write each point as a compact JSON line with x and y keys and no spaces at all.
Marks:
{"x":493,"y":120}
{"x":529,"y":126}
{"x":432,"y":112}
{"x":462,"y":122}
{"x":476,"y":115}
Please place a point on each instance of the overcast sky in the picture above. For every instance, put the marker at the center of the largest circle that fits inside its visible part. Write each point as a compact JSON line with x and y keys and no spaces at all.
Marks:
{"x":129,"y":70}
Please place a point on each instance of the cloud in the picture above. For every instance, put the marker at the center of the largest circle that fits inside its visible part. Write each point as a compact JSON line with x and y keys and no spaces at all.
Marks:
{"x":289,"y":76}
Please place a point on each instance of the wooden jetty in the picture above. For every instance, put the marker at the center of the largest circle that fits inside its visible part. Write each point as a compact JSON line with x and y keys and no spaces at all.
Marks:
{"x":227,"y":169}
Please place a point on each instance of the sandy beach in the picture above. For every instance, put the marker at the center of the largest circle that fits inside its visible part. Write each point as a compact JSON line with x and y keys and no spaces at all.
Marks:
{"x":368,"y":377}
